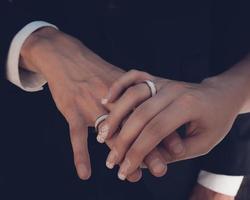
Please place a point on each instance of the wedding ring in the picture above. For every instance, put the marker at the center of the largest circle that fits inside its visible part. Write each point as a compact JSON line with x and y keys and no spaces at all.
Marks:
{"x":152,"y":87}
{"x":99,"y":120}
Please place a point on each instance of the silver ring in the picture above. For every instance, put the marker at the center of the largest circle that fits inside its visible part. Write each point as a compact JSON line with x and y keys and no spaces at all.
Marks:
{"x":152,"y":87}
{"x":99,"y":120}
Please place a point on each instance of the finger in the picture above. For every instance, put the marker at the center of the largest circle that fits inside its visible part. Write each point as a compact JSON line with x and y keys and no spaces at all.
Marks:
{"x":79,"y":119}
{"x":133,"y":96}
{"x":79,"y":137}
{"x":166,"y":122}
{"x":91,"y":109}
{"x":156,"y":163}
{"x":100,"y":116}
{"x":130,"y":78}
{"x":136,"y":122}
{"x":195,"y":146}
{"x":174,"y":144}
{"x":134,"y":125}
{"x":165,"y":154}
{"x":135,"y":176}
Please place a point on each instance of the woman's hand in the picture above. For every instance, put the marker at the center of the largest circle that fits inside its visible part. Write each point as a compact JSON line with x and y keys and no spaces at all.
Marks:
{"x":207,"y":109}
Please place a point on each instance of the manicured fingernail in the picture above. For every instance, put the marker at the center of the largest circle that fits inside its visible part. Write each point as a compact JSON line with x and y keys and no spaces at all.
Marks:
{"x":100,"y":139}
{"x":178,"y":148}
{"x":103,"y":133}
{"x":123,"y":171}
{"x":157,"y":166}
{"x":111,"y":160}
{"x":106,"y":99}
{"x":121,"y":176}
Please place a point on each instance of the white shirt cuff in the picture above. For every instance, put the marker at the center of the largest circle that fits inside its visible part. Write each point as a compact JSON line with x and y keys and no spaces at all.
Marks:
{"x":26,"y":80}
{"x":228,"y":185}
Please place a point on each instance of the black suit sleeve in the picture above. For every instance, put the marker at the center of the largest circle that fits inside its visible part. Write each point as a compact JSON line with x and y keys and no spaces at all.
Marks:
{"x":231,"y":43}
{"x":232,"y":155}
{"x":77,"y":18}
{"x":14,"y":15}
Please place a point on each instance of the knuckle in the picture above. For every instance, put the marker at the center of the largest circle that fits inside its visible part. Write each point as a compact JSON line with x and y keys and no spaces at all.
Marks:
{"x":140,"y":74}
{"x":116,"y":86}
{"x":145,"y":75}
{"x":175,"y":85}
{"x":134,"y":71}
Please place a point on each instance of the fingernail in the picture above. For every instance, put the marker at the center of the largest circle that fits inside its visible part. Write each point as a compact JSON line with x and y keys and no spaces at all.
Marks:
{"x":103,"y":133}
{"x":106,"y":99}
{"x":100,"y":139}
{"x":123,"y":171}
{"x":157,"y":166}
{"x":121,"y":176}
{"x":111,"y":160}
{"x":178,"y":148}
{"x":83,"y":172}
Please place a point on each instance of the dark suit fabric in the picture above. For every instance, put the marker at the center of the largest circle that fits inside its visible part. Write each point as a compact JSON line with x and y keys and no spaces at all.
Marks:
{"x":181,"y":40}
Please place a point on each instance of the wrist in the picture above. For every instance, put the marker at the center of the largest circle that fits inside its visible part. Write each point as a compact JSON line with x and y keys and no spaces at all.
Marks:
{"x":233,"y":84}
{"x":33,"y":44}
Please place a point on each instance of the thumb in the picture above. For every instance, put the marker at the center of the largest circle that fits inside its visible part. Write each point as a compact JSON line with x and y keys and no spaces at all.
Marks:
{"x":194,"y":146}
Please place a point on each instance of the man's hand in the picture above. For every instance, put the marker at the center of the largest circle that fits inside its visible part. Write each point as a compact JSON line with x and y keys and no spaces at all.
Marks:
{"x":77,"y":79}
{"x":202,"y":193}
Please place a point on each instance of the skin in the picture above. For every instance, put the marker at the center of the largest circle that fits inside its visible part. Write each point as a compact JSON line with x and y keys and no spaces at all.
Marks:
{"x":208,"y":111}
{"x":201,"y":193}
{"x":73,"y":72}
{"x":78,"y":79}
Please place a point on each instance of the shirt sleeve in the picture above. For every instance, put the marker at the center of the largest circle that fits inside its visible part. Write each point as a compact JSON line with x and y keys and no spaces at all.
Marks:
{"x":26,"y":80}
{"x":228,"y":185}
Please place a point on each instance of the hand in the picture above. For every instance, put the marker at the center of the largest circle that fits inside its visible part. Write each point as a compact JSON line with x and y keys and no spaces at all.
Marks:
{"x":207,"y":109}
{"x":202,"y":193}
{"x":77,"y":79}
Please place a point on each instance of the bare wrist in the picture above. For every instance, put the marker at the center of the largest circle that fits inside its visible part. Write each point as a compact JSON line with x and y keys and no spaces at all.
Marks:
{"x":232,"y":88}
{"x":36,"y":40}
